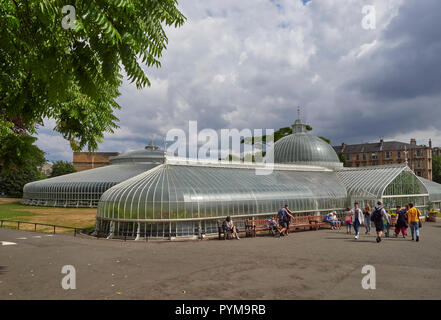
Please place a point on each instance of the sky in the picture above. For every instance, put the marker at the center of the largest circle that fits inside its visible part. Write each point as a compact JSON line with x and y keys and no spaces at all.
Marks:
{"x":250,"y":63}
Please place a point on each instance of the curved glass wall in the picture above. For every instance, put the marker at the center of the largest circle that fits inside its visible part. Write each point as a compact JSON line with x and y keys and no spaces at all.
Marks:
{"x":79,"y":189}
{"x":84,"y":188}
{"x":196,"y":196}
{"x":434,"y":190}
{"x":394,"y":185}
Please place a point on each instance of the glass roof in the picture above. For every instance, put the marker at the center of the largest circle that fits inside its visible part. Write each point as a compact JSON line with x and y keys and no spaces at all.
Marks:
{"x":303,"y":148}
{"x":373,"y":182}
{"x":151,"y":153}
{"x":178,"y":191}
{"x":433,"y":188}
{"x":86,"y":186}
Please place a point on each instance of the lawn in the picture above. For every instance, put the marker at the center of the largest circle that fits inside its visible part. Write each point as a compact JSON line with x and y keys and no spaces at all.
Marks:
{"x":12,"y":209}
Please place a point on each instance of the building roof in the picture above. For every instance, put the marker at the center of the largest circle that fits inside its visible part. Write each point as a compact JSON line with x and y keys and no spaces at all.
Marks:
{"x":190,"y":191}
{"x":371,"y":182}
{"x":303,"y":148}
{"x":433,"y":188}
{"x":377,"y":147}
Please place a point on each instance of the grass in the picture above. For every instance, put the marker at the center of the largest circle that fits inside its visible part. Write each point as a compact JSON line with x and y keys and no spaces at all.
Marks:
{"x":12,"y":209}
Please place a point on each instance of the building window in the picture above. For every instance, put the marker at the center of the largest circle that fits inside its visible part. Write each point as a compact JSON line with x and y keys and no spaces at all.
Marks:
{"x":348,"y":157}
{"x":388,"y":155}
{"x":419,"y":164}
{"x":364,"y":157}
{"x":399,"y":155}
{"x":357,"y":157}
{"x":374,"y":156}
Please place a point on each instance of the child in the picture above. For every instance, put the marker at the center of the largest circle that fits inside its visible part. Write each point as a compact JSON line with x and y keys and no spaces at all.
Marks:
{"x":348,"y":220}
{"x":274,"y":229}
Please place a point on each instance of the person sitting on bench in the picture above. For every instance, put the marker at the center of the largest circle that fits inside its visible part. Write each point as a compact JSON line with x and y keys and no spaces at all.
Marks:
{"x":230,"y":227}
{"x":272,"y":223}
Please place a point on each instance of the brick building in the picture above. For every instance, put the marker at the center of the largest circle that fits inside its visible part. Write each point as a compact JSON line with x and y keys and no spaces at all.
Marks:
{"x":419,"y":157}
{"x":89,"y":160}
{"x":436,"y":151}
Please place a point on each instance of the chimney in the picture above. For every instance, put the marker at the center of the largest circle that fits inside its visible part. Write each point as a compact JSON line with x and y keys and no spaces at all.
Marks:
{"x":430,"y":143}
{"x":413,"y":141}
{"x":343,"y":147}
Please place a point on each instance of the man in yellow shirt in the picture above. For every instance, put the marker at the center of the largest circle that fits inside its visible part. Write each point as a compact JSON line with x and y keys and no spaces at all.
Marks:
{"x":413,"y":217}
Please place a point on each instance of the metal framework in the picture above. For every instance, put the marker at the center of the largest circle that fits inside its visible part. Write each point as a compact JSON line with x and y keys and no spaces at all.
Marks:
{"x":188,"y":198}
{"x":392,"y":184}
{"x":84,"y":188}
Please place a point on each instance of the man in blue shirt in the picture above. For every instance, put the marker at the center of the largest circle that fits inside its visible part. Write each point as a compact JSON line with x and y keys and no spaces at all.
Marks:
{"x":284,"y":217}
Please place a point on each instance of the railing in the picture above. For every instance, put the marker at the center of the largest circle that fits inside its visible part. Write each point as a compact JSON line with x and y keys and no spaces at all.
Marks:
{"x":76,"y":230}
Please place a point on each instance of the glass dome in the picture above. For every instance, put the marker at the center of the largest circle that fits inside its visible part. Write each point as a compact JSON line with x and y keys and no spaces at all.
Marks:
{"x":303,"y":148}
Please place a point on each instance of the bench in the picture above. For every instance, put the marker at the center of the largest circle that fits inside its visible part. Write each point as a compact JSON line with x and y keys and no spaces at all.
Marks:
{"x":257,"y":225}
{"x":319,"y":221}
{"x":241,"y":225}
{"x":301,"y":222}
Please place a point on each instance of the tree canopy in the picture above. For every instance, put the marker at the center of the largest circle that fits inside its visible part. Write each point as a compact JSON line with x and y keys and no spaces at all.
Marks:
{"x":60,"y":168}
{"x":73,"y":74}
{"x":436,"y":169}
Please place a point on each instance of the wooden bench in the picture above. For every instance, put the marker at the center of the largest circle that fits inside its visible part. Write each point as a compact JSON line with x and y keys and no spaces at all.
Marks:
{"x":301,"y":222}
{"x":319,"y":221}
{"x":257,"y":225}
{"x":241,"y":225}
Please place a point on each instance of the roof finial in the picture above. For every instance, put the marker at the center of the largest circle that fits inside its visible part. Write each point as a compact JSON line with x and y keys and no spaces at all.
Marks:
{"x":298,"y":112}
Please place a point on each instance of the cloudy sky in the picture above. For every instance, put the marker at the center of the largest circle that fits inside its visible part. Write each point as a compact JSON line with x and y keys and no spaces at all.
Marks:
{"x":250,"y":63}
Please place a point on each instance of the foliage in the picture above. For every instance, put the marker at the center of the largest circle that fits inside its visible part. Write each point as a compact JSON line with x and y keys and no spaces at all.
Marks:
{"x":342,"y":159}
{"x":17,"y":151}
{"x":60,"y":168}
{"x":73,"y":75}
{"x":12,"y":182}
{"x":279,"y":134}
{"x":436,"y":169}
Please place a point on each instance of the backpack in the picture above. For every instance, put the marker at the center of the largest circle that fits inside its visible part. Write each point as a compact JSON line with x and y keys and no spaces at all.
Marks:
{"x":376,"y":215}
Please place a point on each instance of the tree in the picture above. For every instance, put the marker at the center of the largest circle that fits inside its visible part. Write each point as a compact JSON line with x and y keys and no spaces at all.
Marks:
{"x":71,"y":71}
{"x":436,"y":169}
{"x":60,"y":168}
{"x":342,"y":159}
{"x":279,"y":134}
{"x":13,"y":181}
{"x":18,"y":152}
{"x":19,"y":159}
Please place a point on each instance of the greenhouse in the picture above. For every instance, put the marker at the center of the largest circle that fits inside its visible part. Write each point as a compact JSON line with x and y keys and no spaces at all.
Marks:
{"x":392,"y":184}
{"x":434,"y":190}
{"x":84,"y":188}
{"x":182,"y":199}
{"x":187,"y":197}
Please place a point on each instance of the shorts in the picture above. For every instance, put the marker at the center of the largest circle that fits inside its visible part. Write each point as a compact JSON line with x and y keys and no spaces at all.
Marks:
{"x":379,"y":227}
{"x":283,"y":224}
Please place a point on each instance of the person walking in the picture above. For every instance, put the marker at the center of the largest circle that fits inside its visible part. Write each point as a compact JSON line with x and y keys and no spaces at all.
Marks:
{"x":348,"y":220}
{"x":401,"y":224}
{"x":284,"y":215}
{"x":378,"y":214}
{"x":357,"y":219}
{"x":367,"y":218}
{"x":413,"y":218}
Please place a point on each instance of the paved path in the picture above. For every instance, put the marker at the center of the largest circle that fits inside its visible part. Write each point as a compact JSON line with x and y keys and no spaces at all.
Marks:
{"x":306,"y":265}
